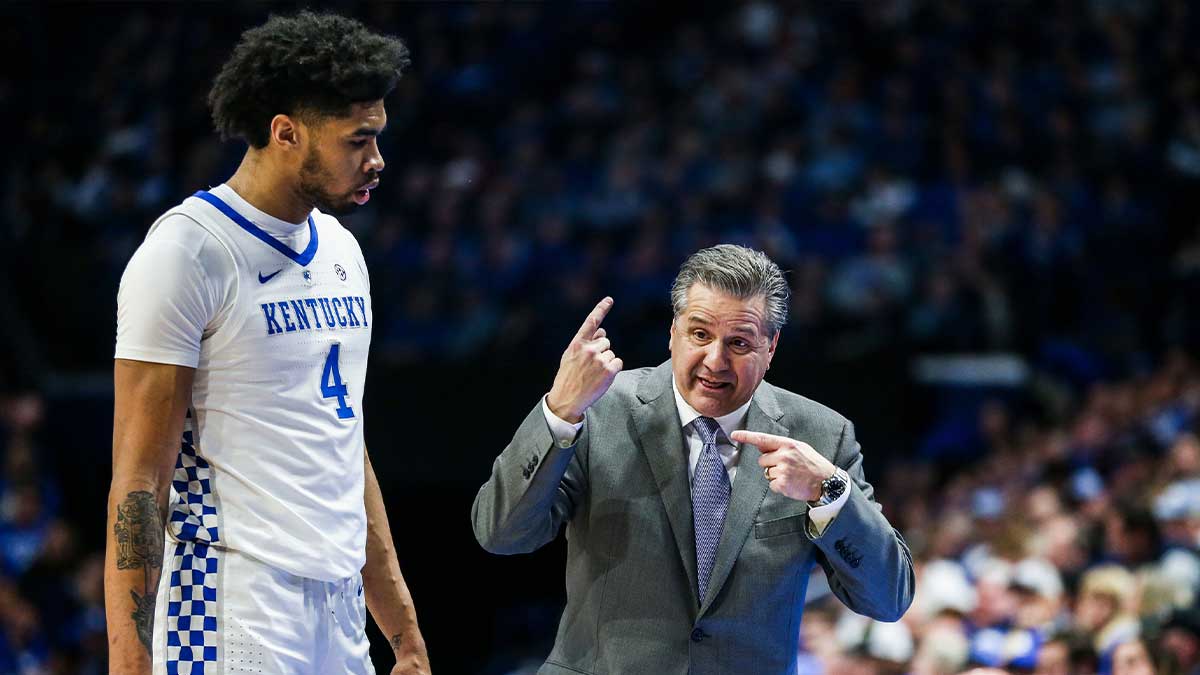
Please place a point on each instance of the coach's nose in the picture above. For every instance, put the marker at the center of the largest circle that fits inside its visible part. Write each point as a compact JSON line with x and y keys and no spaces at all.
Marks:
{"x":716,"y":359}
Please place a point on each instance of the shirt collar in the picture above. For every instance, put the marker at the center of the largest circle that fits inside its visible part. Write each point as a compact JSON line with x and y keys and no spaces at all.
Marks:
{"x":728,"y":423}
{"x":262,"y":219}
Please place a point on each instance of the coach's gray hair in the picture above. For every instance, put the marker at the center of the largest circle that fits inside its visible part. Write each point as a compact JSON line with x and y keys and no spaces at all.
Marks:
{"x":739,"y":271}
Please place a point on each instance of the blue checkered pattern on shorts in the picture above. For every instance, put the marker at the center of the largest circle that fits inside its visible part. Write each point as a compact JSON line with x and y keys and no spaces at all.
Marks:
{"x":192,"y":610}
{"x":710,"y":500}
{"x":194,"y":513}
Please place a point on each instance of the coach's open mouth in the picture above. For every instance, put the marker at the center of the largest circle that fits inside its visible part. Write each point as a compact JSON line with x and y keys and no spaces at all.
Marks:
{"x":712,"y":384}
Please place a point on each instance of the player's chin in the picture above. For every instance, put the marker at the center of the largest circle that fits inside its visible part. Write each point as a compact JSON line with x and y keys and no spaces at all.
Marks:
{"x":342,"y":207}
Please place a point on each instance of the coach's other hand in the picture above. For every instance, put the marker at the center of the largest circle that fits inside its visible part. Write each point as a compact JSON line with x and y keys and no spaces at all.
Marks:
{"x":793,"y":467}
{"x":586,"y":370}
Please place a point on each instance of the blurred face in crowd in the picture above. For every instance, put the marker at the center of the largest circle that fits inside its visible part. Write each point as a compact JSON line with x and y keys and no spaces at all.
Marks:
{"x":1183,"y":645}
{"x":1185,"y":455}
{"x":943,"y":648}
{"x":1094,"y":610}
{"x":996,"y":602}
{"x":342,"y":163}
{"x":1062,"y":545}
{"x":1131,"y":658}
{"x":720,"y":349}
{"x":1034,"y":610}
{"x":1054,"y":658}
{"x":817,"y":635}
{"x":1181,"y":531}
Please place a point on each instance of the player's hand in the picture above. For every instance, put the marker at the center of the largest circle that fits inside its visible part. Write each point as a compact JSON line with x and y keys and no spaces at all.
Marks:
{"x":793,"y":467}
{"x":586,"y":370}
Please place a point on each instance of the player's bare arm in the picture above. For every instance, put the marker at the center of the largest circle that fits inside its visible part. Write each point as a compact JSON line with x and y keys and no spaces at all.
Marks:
{"x":386,"y":593}
{"x":150,"y":403}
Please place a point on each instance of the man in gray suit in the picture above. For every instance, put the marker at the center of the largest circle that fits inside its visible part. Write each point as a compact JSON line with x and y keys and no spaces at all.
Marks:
{"x":697,"y":497}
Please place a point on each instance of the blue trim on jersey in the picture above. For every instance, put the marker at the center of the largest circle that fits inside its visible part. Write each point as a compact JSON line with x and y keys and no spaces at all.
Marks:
{"x":301,"y":259}
{"x":194,"y":629}
{"x":194,"y":515}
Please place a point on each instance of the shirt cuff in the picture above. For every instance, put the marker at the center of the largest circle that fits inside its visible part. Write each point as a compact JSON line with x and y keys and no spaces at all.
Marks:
{"x":819,"y":517}
{"x":564,"y":432}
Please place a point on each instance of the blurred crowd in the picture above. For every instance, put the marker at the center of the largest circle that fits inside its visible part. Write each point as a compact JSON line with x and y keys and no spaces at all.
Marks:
{"x":51,"y":586}
{"x":938,"y":177}
{"x":1068,"y":546}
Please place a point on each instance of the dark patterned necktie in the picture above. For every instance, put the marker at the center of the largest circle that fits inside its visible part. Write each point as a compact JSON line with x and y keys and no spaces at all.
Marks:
{"x":710,"y":500}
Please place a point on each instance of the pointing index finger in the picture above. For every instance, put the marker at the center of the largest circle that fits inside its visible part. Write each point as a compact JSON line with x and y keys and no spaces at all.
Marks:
{"x":764,"y":442}
{"x":592,"y":322}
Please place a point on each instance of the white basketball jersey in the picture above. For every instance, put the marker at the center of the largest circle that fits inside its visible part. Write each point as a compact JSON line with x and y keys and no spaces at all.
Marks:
{"x":272,"y":458}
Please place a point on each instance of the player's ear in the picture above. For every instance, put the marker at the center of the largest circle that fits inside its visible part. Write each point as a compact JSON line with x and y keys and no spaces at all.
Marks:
{"x":285,"y":132}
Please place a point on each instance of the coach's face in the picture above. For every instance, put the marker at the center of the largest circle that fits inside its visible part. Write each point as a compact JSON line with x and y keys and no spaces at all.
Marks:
{"x":720,"y":349}
{"x":342,"y":163}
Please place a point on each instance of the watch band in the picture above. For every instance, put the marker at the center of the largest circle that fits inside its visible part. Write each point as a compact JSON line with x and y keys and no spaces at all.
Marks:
{"x":833,"y":487}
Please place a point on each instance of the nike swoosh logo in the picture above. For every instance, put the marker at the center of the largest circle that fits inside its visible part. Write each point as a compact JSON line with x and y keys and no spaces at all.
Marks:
{"x":263,"y":280}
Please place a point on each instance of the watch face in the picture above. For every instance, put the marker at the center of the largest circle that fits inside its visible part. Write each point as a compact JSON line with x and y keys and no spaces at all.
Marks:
{"x":833,"y":487}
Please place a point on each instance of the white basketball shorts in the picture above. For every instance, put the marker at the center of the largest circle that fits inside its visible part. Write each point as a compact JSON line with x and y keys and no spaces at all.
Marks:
{"x":220,"y":612}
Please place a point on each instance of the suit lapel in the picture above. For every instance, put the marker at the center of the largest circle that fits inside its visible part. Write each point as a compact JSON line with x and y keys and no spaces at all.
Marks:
{"x":661,"y":439}
{"x":749,"y":489}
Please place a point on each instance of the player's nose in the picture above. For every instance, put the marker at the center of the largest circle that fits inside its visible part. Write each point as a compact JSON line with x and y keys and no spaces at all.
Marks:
{"x":375,"y":161}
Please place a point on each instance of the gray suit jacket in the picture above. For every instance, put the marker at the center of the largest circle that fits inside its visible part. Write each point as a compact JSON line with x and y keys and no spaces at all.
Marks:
{"x":623,"y":492}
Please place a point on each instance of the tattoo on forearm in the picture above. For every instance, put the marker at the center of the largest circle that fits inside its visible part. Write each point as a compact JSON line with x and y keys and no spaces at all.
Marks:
{"x":139,"y":533}
{"x":143,"y":618}
{"x":396,"y":641}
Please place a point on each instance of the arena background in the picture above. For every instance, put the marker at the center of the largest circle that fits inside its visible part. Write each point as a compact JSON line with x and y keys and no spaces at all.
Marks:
{"x":987,"y":212}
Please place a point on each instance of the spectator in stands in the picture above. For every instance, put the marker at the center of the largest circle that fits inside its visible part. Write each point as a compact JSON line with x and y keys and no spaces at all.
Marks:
{"x":1104,"y":607}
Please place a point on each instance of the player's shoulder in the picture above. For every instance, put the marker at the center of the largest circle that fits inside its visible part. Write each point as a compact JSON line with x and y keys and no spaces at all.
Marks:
{"x":180,"y":235}
{"x":183,"y":223}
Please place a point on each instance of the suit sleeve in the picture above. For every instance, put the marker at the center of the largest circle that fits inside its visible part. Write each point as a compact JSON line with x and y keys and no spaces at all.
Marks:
{"x":866,"y":560}
{"x":536,"y":486}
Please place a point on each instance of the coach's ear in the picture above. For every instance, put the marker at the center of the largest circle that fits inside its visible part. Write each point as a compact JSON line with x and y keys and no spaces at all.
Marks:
{"x":285,"y":133}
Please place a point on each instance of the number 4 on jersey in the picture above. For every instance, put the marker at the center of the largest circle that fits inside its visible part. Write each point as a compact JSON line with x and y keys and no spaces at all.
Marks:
{"x":331,"y":383}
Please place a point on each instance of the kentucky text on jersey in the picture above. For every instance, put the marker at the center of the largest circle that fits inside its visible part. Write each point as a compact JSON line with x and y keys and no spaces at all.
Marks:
{"x":289,"y":316}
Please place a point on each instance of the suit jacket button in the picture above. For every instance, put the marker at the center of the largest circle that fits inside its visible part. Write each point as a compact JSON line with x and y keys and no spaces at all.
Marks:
{"x":698,"y":635}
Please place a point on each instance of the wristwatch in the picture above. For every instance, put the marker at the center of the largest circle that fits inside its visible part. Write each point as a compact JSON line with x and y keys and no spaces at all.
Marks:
{"x":831,"y":489}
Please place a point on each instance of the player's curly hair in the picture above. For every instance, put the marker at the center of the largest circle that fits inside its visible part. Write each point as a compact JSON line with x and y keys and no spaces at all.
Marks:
{"x":306,"y":64}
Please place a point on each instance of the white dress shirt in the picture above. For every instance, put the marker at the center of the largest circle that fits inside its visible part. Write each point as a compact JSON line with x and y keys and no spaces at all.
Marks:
{"x":565,"y":433}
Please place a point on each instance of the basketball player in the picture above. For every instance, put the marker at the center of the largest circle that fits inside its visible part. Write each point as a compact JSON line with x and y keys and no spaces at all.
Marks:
{"x":243,"y":324}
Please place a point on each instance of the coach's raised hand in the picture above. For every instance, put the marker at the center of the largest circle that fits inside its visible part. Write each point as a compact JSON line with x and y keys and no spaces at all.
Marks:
{"x":586,"y":370}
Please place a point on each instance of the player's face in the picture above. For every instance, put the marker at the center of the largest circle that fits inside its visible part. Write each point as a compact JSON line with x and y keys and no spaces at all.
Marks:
{"x":342,"y":163}
{"x":720,"y":350}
